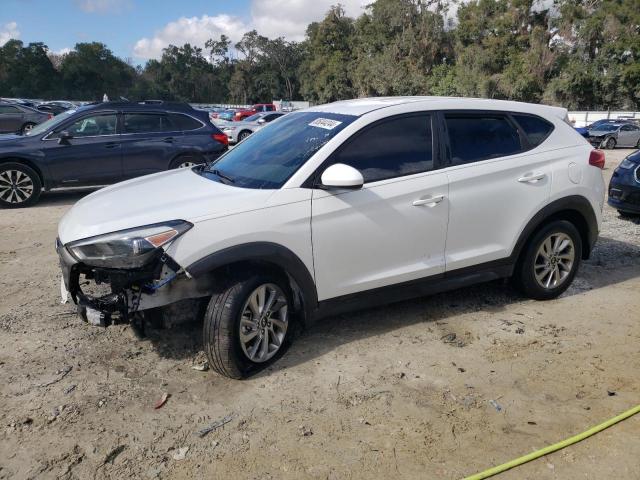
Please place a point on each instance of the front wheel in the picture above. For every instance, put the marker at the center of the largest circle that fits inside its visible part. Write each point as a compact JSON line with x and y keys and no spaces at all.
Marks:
{"x":610,"y":143}
{"x":244,"y":134}
{"x":550,"y":261}
{"x":27,"y":127}
{"x":186,"y":161}
{"x":247,"y":325}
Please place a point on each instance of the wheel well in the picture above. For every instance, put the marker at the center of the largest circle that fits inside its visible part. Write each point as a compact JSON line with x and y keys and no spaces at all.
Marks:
{"x":245,"y":131}
{"x":242,"y":269}
{"x":573,"y":216}
{"x":29,"y":164}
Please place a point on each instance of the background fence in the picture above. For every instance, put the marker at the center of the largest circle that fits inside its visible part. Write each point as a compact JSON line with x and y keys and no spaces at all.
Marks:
{"x":584,"y":118}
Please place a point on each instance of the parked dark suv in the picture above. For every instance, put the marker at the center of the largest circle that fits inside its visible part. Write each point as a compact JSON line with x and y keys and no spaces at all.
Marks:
{"x":104,"y":143}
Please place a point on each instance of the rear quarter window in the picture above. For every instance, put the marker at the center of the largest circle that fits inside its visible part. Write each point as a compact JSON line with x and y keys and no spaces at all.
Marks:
{"x":537,"y":129}
{"x":178,"y":121}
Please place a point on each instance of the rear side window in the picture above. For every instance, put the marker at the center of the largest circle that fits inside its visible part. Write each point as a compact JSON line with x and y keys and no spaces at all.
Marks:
{"x":8,"y":109}
{"x":536,"y":128}
{"x":179,"y":122}
{"x":142,"y":123}
{"x":393,"y":148}
{"x":479,"y":137}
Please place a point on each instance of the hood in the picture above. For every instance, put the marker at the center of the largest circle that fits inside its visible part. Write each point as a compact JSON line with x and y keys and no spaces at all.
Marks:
{"x":598,"y":133}
{"x":10,"y":139}
{"x":174,"y":195}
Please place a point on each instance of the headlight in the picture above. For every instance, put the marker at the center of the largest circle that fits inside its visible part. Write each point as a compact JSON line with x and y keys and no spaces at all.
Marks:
{"x":627,"y":164}
{"x":130,"y":248}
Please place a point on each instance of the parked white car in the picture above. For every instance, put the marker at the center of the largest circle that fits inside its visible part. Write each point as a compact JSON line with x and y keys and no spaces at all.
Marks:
{"x":341,"y":206}
{"x":238,"y":131}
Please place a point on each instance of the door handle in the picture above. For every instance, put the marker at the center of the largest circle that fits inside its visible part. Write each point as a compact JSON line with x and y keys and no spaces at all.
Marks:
{"x":111,"y":145}
{"x":428,"y":201}
{"x":532,"y":178}
{"x":168,"y":140}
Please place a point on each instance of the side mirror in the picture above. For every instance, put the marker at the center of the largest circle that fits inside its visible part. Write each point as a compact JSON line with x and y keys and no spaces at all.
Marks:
{"x":64,"y":137}
{"x":342,"y":176}
{"x":262,"y":121}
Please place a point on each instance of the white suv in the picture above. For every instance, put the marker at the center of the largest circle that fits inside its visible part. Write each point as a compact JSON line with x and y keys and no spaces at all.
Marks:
{"x":338,"y":207}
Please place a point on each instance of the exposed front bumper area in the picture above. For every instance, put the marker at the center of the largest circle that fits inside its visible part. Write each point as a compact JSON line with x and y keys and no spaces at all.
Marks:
{"x":117,"y":295}
{"x":624,"y":197}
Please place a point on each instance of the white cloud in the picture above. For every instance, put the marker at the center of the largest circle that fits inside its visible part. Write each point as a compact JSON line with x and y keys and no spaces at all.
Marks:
{"x":103,"y":6}
{"x":290,"y":18}
{"x":62,"y":51}
{"x":271,"y":18}
{"x":194,"y":30}
{"x":8,"y":31}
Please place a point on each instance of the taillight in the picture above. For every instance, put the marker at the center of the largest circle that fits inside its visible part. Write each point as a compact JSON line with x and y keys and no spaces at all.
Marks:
{"x":221,"y":137}
{"x":596,"y":158}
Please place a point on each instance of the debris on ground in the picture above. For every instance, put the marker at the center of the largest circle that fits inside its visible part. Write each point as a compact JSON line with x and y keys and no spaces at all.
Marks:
{"x":495,"y":405}
{"x":160,"y":403}
{"x":70,"y":389}
{"x":305,"y":431}
{"x":611,"y":393}
{"x":62,"y":373}
{"x":201,"y":368}
{"x":214,"y":425}
{"x":181,"y":453}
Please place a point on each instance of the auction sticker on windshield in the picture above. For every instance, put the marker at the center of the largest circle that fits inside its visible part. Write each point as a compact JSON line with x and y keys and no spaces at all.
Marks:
{"x":325,"y":123}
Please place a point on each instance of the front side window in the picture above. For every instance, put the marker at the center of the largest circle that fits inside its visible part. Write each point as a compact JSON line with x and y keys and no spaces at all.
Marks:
{"x":392,"y":148}
{"x":93,"y":126}
{"x":479,"y":137}
{"x":270,"y":156}
{"x":536,"y":128}
{"x":142,"y":123}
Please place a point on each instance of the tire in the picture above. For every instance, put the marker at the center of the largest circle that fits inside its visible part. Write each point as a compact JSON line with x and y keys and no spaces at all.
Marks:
{"x":20,"y":185}
{"x":610,"y":143}
{"x":26,"y":127}
{"x":243,"y":134}
{"x":186,"y":161}
{"x":556,"y":273}
{"x":230,"y":315}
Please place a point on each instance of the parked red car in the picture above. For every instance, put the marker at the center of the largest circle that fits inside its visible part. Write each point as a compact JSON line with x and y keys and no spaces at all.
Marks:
{"x":258,"y":107}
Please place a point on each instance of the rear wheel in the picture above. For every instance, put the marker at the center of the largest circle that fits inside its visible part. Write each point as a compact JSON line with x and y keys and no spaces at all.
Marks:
{"x":550,"y":261}
{"x":20,"y":185}
{"x":247,"y":325}
{"x":186,"y":161}
{"x":244,"y":134}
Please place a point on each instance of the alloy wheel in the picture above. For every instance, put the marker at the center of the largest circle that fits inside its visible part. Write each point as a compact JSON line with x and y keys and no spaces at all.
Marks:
{"x":264,"y":322}
{"x":554,"y":260}
{"x":187,"y":165}
{"x":15,"y":186}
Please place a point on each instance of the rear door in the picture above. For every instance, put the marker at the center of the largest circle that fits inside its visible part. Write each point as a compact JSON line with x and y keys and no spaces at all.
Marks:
{"x":148,"y":143}
{"x":495,"y":184}
{"x":628,"y":136}
{"x":10,"y":118}
{"x":91,"y":156}
{"x":393,"y":229}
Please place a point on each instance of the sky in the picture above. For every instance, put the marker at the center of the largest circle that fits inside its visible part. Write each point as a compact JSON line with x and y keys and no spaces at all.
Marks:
{"x":140,"y":29}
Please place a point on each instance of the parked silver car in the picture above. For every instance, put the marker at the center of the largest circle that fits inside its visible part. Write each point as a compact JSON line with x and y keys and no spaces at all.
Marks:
{"x":612,"y":135}
{"x":16,"y":118}
{"x":238,"y":131}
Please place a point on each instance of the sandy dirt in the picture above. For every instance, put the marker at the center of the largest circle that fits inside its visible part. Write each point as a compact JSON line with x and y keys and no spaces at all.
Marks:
{"x":383,"y":393}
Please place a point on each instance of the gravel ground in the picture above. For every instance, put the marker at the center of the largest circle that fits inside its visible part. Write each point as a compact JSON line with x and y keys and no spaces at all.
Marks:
{"x":439,"y":387}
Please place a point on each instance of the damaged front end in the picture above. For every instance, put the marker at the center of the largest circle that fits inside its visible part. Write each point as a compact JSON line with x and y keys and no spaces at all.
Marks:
{"x":113,"y":277}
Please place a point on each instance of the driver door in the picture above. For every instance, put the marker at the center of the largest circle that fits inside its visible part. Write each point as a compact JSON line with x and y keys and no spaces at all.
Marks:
{"x":393,"y":229}
{"x":92,"y":156}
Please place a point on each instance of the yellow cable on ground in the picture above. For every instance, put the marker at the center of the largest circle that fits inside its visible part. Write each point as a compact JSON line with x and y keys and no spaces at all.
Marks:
{"x":552,"y":448}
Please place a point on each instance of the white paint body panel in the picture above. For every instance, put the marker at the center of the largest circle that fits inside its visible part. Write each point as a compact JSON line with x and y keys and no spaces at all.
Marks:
{"x":375,"y":236}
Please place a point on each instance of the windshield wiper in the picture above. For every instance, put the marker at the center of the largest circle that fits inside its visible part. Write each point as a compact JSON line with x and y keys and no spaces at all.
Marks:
{"x":222,"y":176}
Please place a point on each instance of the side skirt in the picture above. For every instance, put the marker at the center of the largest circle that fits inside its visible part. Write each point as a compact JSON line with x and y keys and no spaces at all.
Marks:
{"x":416,"y":288}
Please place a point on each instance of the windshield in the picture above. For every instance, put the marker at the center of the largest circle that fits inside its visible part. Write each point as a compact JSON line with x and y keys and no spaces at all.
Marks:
{"x":254,"y":118}
{"x":269,"y":157}
{"x":607,"y":127}
{"x":52,"y":122}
